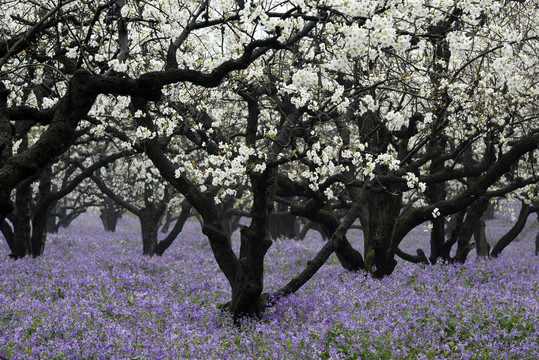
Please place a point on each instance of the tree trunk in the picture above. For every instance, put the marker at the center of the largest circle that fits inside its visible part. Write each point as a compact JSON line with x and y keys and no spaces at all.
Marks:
{"x":21,"y":225}
{"x":378,"y":217}
{"x":349,"y":258}
{"x":436,"y":193}
{"x":169,"y":218}
{"x":7,"y":231}
{"x":537,"y":238}
{"x":482,"y":247}
{"x":489,"y":213}
{"x":248,"y":283}
{"x":52,"y":225}
{"x":39,"y":234}
{"x":149,"y":225}
{"x":41,"y":213}
{"x":438,"y":248}
{"x":452,"y":224}
{"x":110,"y":213}
{"x":473,"y":216}
{"x":6,"y":131}
{"x":513,"y":232}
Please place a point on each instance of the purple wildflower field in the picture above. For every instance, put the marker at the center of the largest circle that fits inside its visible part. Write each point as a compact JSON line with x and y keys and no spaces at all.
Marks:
{"x":94,"y":296}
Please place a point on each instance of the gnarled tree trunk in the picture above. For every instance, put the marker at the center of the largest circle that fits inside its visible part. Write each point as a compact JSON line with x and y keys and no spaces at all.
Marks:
{"x":328,"y":222}
{"x":378,"y":216}
{"x":248,"y":283}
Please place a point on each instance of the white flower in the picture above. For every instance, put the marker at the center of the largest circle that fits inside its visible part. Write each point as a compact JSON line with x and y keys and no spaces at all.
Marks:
{"x":411,"y":180}
{"x":435,"y":213}
{"x":47,"y":103}
{"x":271,"y":133}
{"x":118,"y":66}
{"x":139,"y":114}
{"x":143,"y":133}
{"x":71,"y":53}
{"x":99,"y":57}
{"x":260,"y":168}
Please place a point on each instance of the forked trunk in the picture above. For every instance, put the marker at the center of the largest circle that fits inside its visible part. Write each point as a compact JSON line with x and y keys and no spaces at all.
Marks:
{"x":249,"y":281}
{"x":164,"y":244}
{"x":325,"y":218}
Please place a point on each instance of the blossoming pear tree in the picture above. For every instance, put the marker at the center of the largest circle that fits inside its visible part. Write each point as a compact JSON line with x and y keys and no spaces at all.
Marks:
{"x":426,"y":105}
{"x":140,"y":190}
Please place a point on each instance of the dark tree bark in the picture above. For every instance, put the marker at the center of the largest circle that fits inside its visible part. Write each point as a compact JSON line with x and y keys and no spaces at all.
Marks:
{"x":52,"y":220}
{"x":53,"y":141}
{"x":63,"y":215}
{"x":349,"y":258}
{"x":149,"y":224}
{"x":379,"y":213}
{"x":41,"y":213}
{"x":316,"y":263}
{"x":110,"y":214}
{"x":149,"y":214}
{"x":482,"y":246}
{"x":489,"y":214}
{"x":7,"y":231}
{"x":168,"y":220}
{"x":6,"y":131}
{"x":436,"y":192}
{"x":512,"y":234}
{"x":420,"y":258}
{"x":537,"y":239}
{"x":248,"y":283}
{"x":473,"y":216}
{"x":176,"y":230}
{"x":21,"y":225}
{"x":475,"y":190}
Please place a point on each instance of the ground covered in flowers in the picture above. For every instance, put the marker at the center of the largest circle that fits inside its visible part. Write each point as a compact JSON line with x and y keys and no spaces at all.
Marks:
{"x":93,"y":296}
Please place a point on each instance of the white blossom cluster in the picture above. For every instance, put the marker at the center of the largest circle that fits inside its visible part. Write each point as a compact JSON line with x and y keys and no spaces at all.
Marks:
{"x":226,"y":171}
{"x":412,"y":181}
